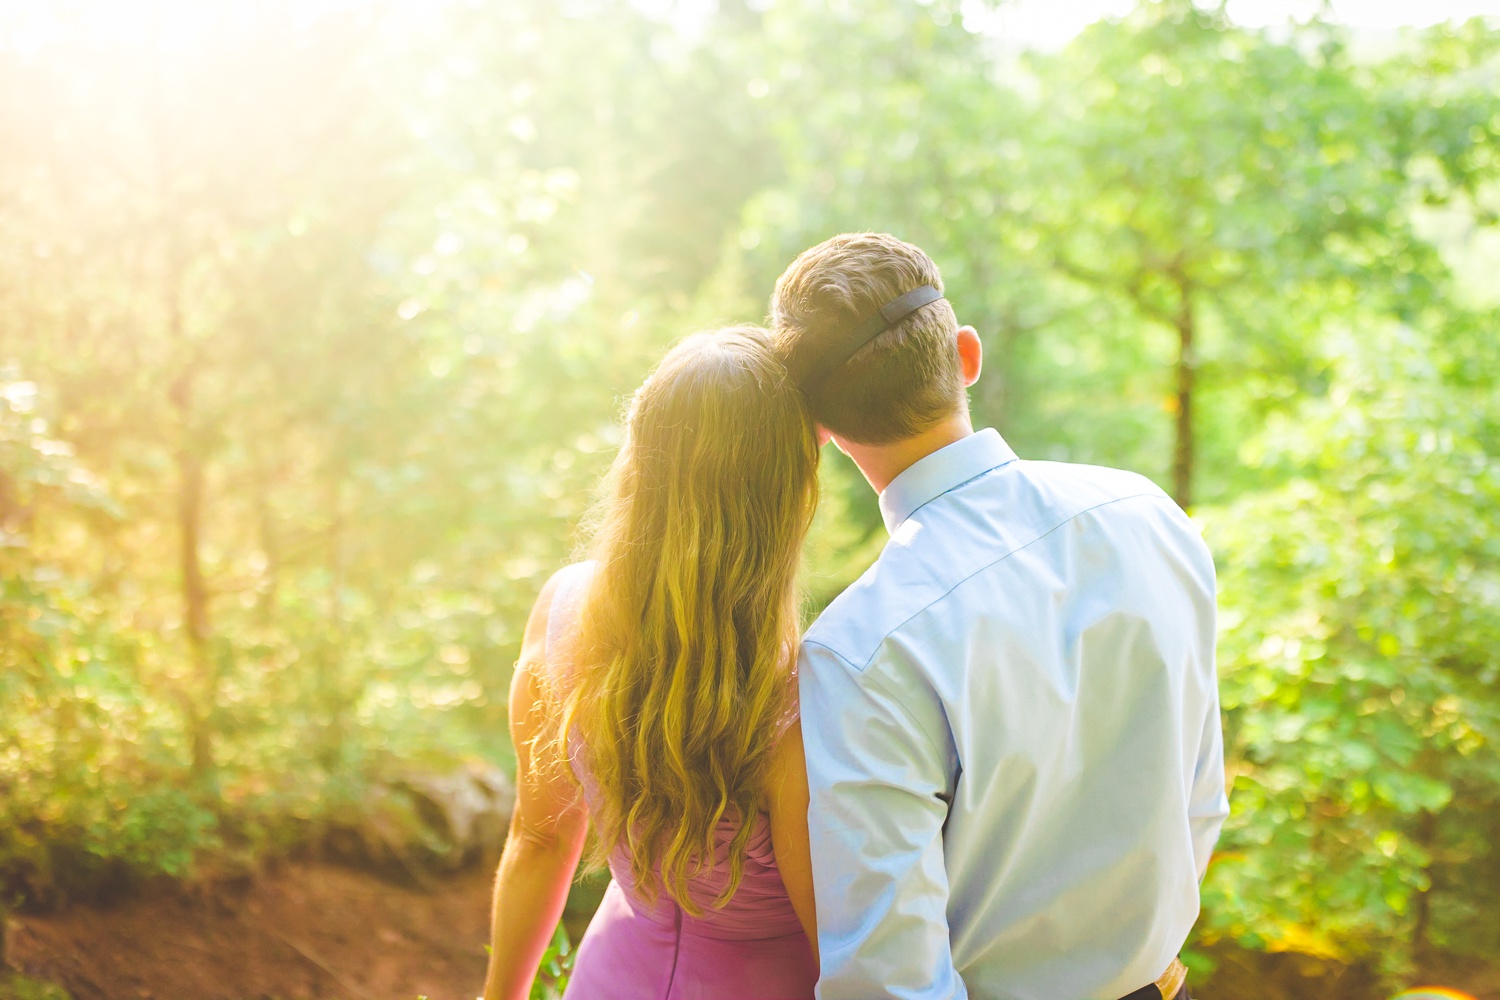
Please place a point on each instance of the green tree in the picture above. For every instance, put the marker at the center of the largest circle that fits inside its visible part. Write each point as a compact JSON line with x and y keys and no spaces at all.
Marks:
{"x":1239,"y":194}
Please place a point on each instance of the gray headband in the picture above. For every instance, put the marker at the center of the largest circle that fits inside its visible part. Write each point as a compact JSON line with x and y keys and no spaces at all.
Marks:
{"x":849,"y":344}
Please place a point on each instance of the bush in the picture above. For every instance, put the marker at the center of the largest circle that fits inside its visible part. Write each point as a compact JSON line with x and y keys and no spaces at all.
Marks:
{"x":1361,"y":614}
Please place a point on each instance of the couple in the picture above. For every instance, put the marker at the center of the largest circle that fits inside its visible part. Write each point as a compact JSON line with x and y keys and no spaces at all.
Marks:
{"x":993,"y":766}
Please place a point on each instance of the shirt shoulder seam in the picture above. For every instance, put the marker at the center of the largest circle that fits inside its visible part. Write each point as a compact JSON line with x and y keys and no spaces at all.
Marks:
{"x":895,"y":698}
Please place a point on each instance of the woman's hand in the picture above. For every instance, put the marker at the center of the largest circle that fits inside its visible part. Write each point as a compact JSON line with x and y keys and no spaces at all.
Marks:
{"x":547,"y":829}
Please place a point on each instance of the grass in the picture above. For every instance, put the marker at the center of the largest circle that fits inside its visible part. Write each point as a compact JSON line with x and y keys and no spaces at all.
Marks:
{"x":14,"y":986}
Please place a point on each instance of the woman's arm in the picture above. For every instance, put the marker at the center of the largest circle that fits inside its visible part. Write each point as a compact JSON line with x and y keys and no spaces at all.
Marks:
{"x":546,"y":830}
{"x":786,"y":801}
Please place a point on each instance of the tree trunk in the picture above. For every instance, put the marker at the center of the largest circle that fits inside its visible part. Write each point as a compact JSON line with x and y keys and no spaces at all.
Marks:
{"x":1426,"y":838}
{"x":1182,"y":459}
{"x":332,"y":697}
{"x":195,"y":615}
{"x":270,"y":542}
{"x":201,"y":692}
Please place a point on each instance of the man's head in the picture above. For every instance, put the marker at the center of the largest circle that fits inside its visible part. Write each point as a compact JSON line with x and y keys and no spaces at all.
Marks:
{"x":907,"y":379}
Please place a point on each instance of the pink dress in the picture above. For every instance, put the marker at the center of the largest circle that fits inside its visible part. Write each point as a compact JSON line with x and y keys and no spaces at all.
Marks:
{"x":752,"y":948}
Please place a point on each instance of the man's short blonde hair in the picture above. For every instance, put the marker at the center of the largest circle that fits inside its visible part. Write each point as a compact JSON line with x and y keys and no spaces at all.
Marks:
{"x":901,"y":383}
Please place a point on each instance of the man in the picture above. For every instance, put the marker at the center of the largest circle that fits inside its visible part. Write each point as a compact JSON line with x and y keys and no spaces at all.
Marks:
{"x":1011,"y":720}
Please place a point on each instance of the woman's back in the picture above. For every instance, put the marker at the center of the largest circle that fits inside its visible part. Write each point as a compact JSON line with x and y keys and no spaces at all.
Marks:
{"x":665,"y":665}
{"x":752,"y":946}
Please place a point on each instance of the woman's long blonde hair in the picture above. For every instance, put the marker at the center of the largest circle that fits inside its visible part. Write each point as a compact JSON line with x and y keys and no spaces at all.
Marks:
{"x":688,"y":631}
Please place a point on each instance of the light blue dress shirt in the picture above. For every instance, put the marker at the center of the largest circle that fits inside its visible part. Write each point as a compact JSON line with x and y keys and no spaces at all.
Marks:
{"x":1013,"y":737}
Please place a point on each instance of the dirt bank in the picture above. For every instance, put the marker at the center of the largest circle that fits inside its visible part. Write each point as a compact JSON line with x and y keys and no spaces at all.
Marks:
{"x":301,"y":932}
{"x":319,"y":932}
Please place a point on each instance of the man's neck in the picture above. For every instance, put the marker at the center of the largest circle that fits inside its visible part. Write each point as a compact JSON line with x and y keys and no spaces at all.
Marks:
{"x":882,"y":463}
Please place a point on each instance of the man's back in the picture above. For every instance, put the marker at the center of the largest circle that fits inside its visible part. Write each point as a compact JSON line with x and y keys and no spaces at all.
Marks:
{"x":1012,"y":733}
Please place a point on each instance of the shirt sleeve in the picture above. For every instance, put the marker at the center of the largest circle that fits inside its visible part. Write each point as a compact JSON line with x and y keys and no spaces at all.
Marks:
{"x":1208,"y":799}
{"x":1208,"y":804}
{"x":881,"y":772}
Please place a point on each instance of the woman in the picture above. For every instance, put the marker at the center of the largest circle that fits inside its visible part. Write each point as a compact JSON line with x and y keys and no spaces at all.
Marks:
{"x":655,"y":697}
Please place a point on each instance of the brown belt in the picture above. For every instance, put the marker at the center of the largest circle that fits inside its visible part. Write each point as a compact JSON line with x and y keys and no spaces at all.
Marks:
{"x":1164,"y":988}
{"x":1171,"y":981}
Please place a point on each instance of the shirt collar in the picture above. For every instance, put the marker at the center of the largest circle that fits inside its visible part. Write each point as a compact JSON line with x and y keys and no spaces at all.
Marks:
{"x":945,"y":469}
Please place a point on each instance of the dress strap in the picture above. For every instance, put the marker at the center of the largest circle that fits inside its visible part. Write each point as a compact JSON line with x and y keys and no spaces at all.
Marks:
{"x":562,"y":619}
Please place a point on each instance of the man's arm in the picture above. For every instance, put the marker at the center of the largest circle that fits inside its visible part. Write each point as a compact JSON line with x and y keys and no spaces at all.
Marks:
{"x":880,"y":774}
{"x":1208,"y":800}
{"x":1208,"y":803}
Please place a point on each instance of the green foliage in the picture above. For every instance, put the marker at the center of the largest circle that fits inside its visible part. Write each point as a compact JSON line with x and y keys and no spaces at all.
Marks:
{"x":87,"y":782}
{"x":557,"y":962}
{"x":311,"y":361}
{"x":1358,"y":662}
{"x":17,"y":987}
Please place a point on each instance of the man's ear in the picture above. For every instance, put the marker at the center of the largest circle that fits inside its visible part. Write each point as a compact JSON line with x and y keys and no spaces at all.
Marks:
{"x":824,"y":435}
{"x":970,"y":354}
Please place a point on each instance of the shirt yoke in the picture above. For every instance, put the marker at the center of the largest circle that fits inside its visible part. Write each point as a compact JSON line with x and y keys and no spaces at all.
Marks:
{"x":981,"y":523}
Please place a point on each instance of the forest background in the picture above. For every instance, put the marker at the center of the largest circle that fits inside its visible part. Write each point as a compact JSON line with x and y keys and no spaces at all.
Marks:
{"x":316,"y":321}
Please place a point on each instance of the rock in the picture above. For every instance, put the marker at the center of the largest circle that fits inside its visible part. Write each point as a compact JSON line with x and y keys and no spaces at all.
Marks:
{"x":424,"y":822}
{"x":470,"y":808}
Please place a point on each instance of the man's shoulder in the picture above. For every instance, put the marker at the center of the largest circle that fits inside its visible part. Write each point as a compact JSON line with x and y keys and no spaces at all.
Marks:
{"x":966,"y":532}
{"x":1096,"y":483}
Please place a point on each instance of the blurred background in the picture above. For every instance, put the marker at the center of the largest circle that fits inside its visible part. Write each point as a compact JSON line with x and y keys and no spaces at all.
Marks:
{"x":316,"y":319}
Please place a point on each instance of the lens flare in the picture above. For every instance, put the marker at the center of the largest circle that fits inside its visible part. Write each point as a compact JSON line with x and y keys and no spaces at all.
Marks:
{"x":1432,"y":993}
